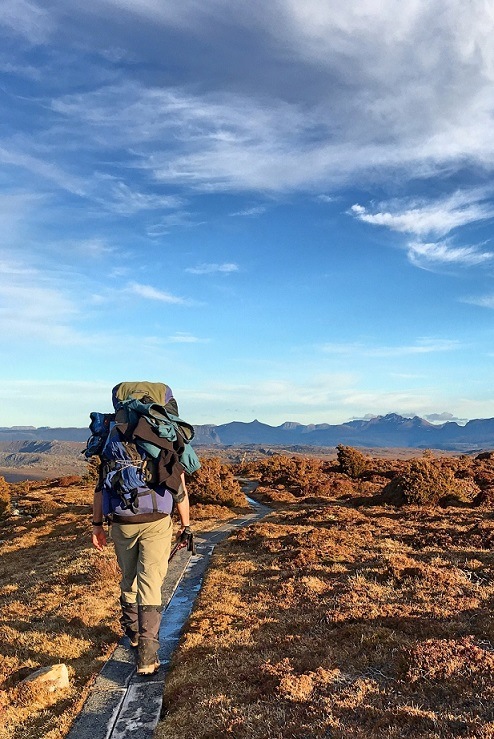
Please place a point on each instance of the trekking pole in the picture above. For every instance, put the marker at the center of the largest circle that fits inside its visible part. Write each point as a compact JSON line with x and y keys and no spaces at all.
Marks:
{"x":186,"y":540}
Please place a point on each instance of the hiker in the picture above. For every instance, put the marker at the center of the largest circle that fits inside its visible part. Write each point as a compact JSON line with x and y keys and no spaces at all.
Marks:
{"x":141,"y":477}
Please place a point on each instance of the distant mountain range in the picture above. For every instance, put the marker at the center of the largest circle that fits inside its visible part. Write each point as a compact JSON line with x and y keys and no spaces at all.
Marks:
{"x":391,"y":430}
{"x":38,"y":459}
{"x":43,"y":433}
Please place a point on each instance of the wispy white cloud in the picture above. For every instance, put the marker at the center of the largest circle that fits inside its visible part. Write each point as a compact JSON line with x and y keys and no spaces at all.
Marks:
{"x":188,"y":13}
{"x":56,"y":308}
{"x":403,"y":402}
{"x":46,"y":170}
{"x":12,"y":269}
{"x":254,"y":211}
{"x":35,"y":304}
{"x":428,"y":255}
{"x":108,"y":192}
{"x":120,"y":271}
{"x":179,"y":219}
{"x":226,"y":141}
{"x":107,"y":129}
{"x":444,"y":417}
{"x":426,"y":345}
{"x":120,"y":198}
{"x":407,"y":376}
{"x":437,"y":217}
{"x":16,"y":210}
{"x":484,"y":301}
{"x":182,"y":337}
{"x":212,"y":142}
{"x":264,"y":395}
{"x":328,"y":398}
{"x":26,"y":19}
{"x":152,"y":293}
{"x":37,"y":399}
{"x":360,"y":114}
{"x":21,"y":70}
{"x":359,"y":117}
{"x":46,"y":305}
{"x":37,"y":311}
{"x":207,"y":269}
{"x":93,"y":248}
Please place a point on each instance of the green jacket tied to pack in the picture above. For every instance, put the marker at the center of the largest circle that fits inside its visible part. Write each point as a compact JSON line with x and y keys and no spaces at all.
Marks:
{"x":144,"y":448}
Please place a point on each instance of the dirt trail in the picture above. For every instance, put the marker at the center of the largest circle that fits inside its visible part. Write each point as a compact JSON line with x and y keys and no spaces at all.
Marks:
{"x":122,"y":704}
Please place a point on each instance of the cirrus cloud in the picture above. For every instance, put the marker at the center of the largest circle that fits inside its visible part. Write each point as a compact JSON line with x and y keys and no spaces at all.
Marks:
{"x":153,"y":293}
{"x":425,"y":345}
{"x":227,"y":268}
{"x":427,"y":255}
{"x":26,"y":19}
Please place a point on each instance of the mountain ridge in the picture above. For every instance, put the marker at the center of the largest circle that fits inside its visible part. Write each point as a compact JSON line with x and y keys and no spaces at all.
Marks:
{"x":390,"y":430}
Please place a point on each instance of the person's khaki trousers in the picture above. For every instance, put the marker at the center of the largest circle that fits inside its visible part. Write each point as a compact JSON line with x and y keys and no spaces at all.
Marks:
{"x":142,"y":551}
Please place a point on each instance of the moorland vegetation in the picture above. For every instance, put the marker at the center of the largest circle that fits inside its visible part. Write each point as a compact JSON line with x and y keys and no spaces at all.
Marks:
{"x":59,"y":597}
{"x":360,"y":607}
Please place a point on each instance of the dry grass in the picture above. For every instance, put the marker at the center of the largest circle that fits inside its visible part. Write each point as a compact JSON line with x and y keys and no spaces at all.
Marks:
{"x":325,"y":620}
{"x":330,"y":621}
{"x":58,"y":603}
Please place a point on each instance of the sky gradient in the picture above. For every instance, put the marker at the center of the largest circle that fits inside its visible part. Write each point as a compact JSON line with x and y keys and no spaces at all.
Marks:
{"x":284,"y":210}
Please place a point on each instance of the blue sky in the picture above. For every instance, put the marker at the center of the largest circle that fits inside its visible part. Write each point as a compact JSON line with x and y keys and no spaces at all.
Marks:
{"x":284,"y":210}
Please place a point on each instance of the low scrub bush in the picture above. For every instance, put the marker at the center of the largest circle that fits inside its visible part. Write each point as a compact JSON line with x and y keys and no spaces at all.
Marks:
{"x":67,"y":480}
{"x":352,"y":462}
{"x":5,"y":499}
{"x":279,"y":469}
{"x":300,"y":475}
{"x":214,"y":483}
{"x":91,"y":475}
{"x":483,"y":473}
{"x":429,"y":481}
{"x":22,"y":488}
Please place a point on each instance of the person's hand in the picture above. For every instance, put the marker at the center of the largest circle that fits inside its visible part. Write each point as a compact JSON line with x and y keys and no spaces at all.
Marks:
{"x":99,"y":537}
{"x":184,"y":531}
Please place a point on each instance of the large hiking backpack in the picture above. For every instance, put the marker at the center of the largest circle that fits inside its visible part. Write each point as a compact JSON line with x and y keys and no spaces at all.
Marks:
{"x":143,"y":449}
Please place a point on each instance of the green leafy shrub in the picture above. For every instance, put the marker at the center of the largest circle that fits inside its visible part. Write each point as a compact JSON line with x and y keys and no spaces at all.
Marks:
{"x":352,"y":462}
{"x":5,"y":499}
{"x":214,"y":483}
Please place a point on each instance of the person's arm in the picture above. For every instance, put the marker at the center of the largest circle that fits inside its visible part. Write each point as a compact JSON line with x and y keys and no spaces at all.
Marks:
{"x":98,"y":536}
{"x":183,"y":508}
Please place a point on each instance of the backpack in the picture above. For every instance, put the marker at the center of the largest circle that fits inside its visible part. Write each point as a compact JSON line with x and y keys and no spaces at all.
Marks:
{"x":143,"y":448}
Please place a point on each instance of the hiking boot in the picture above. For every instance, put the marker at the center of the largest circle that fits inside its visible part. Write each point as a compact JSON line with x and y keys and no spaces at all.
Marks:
{"x":133,"y":638}
{"x":147,"y":656}
{"x":147,"y":650}
{"x":130,"y":622}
